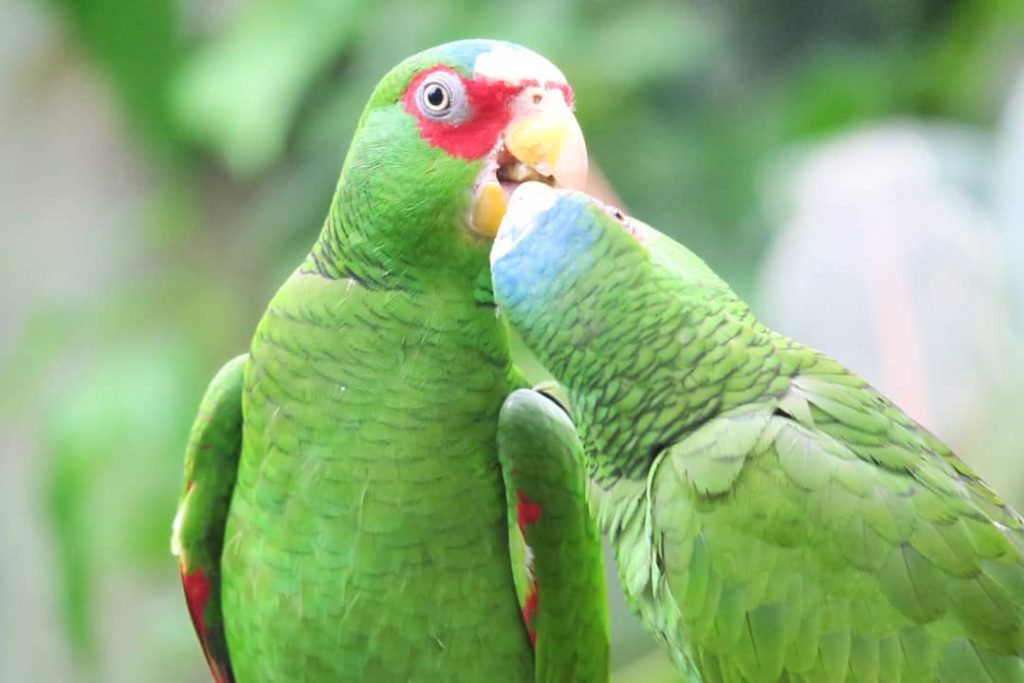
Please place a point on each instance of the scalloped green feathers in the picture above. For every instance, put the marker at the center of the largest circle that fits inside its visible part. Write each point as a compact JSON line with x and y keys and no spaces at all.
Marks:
{"x":774,"y":518}
{"x":344,"y":512}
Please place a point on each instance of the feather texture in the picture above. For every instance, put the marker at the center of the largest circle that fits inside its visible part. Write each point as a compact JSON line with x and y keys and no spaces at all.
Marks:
{"x":774,"y":518}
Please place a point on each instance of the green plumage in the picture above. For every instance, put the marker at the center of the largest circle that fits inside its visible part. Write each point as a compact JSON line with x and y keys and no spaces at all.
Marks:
{"x":361,"y":458}
{"x":541,"y":456}
{"x":367,"y":537}
{"x":774,"y":518}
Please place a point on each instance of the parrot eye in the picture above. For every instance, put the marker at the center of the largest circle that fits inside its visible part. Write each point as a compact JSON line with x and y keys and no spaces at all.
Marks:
{"x":442,"y":97}
{"x":436,"y":97}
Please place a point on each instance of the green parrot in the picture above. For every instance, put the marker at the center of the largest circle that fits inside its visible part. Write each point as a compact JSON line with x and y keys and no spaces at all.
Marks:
{"x":773,"y":517}
{"x":372,"y":493}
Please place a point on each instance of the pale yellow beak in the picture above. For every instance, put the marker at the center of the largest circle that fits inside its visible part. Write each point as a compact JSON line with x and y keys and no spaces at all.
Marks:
{"x":548,"y":145}
{"x":549,"y":138}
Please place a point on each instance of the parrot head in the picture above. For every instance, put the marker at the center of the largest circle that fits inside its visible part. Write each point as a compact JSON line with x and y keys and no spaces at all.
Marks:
{"x":609,"y":306}
{"x":556,"y":249}
{"x":446,"y":137}
{"x":563,"y":253}
{"x":573,"y":277}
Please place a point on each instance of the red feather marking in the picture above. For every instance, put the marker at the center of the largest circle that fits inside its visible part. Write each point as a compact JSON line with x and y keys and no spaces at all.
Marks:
{"x":476,"y":136}
{"x":490,"y":112}
{"x":529,"y":612}
{"x":197,"y":592}
{"x":527,"y":511}
{"x":527,"y":514}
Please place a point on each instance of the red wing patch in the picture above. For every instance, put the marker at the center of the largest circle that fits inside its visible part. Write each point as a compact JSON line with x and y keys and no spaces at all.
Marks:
{"x":530,"y":612}
{"x":527,"y":512}
{"x":197,"y":593}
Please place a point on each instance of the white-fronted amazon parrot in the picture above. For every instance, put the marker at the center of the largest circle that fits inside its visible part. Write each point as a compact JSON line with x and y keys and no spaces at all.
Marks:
{"x":774,"y":518}
{"x":355,"y":494}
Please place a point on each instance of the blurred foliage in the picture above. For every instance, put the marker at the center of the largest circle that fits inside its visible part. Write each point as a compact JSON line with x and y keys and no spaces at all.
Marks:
{"x":243,"y":111}
{"x":139,"y":47}
{"x":240,"y":95}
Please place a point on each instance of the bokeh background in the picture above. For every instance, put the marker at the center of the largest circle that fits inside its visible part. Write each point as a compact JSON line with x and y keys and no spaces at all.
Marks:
{"x":856,"y":170}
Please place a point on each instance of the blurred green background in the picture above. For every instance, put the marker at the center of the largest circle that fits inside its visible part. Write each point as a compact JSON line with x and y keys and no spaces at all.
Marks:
{"x":856,"y":170}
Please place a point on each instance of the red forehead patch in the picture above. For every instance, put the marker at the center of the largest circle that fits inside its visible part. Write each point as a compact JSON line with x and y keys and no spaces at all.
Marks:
{"x":490,"y":111}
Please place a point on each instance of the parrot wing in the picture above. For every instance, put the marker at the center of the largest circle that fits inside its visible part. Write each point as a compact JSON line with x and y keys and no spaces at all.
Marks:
{"x":556,"y":547}
{"x":825,"y":535}
{"x":211,"y":465}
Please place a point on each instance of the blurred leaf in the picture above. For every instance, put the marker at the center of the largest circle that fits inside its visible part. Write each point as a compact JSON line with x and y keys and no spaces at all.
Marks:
{"x":138,"y":46}
{"x":66,"y":485}
{"x":240,"y":94}
{"x":836,"y":91}
{"x":677,"y":39}
{"x":113,"y":444}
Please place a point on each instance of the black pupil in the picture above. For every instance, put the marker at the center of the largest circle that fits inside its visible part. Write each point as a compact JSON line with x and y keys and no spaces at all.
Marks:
{"x":436,"y":96}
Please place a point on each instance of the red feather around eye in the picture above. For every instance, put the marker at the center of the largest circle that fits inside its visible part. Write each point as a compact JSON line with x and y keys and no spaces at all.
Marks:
{"x":489,"y":113}
{"x":490,"y":110}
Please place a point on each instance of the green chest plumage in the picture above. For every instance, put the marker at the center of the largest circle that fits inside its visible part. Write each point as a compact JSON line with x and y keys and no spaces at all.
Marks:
{"x":369,"y":512}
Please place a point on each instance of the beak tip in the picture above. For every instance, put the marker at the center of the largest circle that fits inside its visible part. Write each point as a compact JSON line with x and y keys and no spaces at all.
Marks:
{"x":572,"y":164}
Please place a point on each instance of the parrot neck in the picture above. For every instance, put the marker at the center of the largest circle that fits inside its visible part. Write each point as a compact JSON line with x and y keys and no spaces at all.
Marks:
{"x":707,"y":360}
{"x":394,"y":223}
{"x":346,"y":250}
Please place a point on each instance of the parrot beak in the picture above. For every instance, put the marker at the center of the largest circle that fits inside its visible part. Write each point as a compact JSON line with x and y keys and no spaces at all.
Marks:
{"x":547,"y":138}
{"x":543,"y":143}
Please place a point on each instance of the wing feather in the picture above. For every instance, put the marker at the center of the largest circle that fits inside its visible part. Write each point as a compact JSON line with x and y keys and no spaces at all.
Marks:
{"x":211,"y":465}
{"x":826,"y":536}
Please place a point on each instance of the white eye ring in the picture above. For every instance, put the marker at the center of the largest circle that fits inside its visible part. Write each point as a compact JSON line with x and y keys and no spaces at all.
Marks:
{"x":436,"y":97}
{"x":442,"y":97}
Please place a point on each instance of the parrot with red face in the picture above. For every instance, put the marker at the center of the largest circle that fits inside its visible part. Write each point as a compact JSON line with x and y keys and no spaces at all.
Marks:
{"x":372,"y":492}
